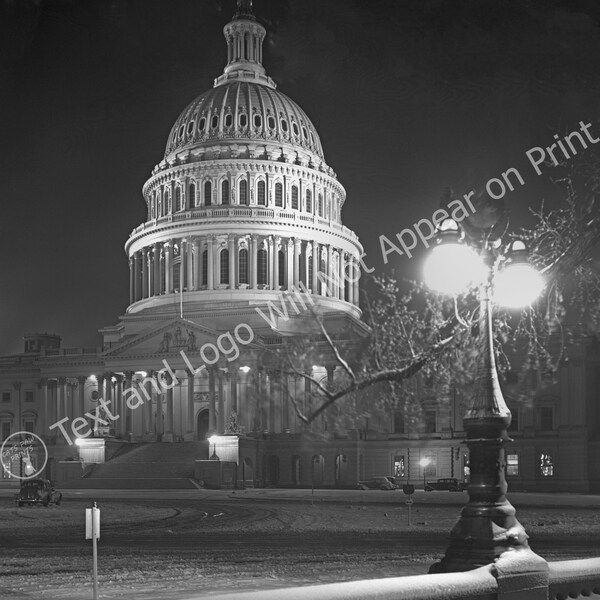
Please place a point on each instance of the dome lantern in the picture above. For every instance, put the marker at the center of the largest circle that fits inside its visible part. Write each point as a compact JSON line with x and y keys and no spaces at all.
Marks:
{"x":244,"y":36}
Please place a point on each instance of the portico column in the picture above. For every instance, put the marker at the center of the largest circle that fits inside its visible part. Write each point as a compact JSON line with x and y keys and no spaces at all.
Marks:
{"x":149,"y":404}
{"x":352,"y":275}
{"x":212,"y":422}
{"x":210,"y":263}
{"x":131,"y":281}
{"x":61,"y":398}
{"x":221,"y":405}
{"x":289,"y":267}
{"x":108,"y":398}
{"x":195,"y":255}
{"x":342,"y":267}
{"x":275,"y":284}
{"x":232,"y":261}
{"x":81,"y":387}
{"x":125,"y":413}
{"x":297,"y":250}
{"x":254,"y":261}
{"x":119,"y":408}
{"x":355,"y":289}
{"x":189,"y":258}
{"x":331,"y":287}
{"x":233,"y":381}
{"x":190,"y":427}
{"x":168,"y":436}
{"x":168,"y":267}
{"x":315,"y":270}
{"x":144,"y":293}
{"x":157,"y":282}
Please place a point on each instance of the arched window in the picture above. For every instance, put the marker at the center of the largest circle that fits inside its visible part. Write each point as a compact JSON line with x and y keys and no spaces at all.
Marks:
{"x":192,"y":192}
{"x":261,"y":193}
{"x":261,"y":266}
{"x":225,"y":192}
{"x":224,"y":266}
{"x":308,"y":201}
{"x":320,"y":205}
{"x":243,"y":265}
{"x":281,"y":267}
{"x":295,"y":197}
{"x":278,"y":194}
{"x":205,"y":267}
{"x":243,"y":192}
{"x":167,"y":203}
{"x":207,"y":193}
{"x":178,"y":206}
{"x":176,"y":274}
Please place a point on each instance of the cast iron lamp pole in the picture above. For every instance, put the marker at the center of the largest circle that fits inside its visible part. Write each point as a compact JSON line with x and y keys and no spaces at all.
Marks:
{"x":487,"y":526}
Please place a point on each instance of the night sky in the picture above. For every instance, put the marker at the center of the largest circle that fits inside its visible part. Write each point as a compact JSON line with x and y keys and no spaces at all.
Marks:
{"x":408,"y":96}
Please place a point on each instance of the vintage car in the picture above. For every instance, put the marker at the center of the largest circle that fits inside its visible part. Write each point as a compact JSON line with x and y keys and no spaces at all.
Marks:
{"x":377,"y":483}
{"x":38,"y":491}
{"x":449,"y":483}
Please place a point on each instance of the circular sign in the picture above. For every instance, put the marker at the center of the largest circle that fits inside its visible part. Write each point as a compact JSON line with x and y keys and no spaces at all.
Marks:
{"x":408,"y":489}
{"x":19,"y":453}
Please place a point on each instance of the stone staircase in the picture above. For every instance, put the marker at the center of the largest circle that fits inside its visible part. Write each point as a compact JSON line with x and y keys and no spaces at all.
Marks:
{"x":150,"y":465}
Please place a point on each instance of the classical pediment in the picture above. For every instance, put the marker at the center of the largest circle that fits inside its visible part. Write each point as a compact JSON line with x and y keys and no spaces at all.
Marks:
{"x":167,"y":340}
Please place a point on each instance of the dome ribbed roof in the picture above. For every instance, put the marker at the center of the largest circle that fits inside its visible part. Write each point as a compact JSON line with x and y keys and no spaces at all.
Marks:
{"x":243,"y":111}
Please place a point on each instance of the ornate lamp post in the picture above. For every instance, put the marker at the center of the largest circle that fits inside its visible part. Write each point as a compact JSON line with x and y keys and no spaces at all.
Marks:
{"x":487,"y":526}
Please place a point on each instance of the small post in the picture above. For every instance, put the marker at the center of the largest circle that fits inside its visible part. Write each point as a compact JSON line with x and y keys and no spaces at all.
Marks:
{"x":409,"y":490}
{"x":92,"y":531}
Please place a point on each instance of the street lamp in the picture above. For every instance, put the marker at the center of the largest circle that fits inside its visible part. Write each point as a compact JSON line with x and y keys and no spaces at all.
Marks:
{"x":213,"y":440}
{"x":424,"y":462}
{"x":487,"y":526}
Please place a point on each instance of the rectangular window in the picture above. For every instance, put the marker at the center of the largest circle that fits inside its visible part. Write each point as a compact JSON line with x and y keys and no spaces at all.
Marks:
{"x":546,"y":418}
{"x":428,"y":464}
{"x":5,"y":396}
{"x":546,"y":465}
{"x":6,"y":429}
{"x":512,"y":464}
{"x":399,"y":466}
{"x":29,"y":396}
{"x":29,"y":426}
{"x":398,"y":421}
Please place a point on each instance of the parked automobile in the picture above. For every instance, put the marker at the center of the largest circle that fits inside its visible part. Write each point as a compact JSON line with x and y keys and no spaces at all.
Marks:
{"x":448,"y":483}
{"x":377,"y":483}
{"x":38,"y":491}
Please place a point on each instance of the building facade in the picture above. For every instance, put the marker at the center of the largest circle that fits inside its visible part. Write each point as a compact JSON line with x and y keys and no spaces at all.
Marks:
{"x":241,"y":245}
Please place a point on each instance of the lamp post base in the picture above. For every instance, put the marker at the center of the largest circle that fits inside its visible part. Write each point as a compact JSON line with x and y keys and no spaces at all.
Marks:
{"x":481,"y":535}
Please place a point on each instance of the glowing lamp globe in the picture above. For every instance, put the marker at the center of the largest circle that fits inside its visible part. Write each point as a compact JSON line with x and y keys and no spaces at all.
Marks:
{"x":452,"y":267}
{"x":518,"y":284}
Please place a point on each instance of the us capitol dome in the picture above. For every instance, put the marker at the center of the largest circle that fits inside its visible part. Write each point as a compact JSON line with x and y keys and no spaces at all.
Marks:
{"x":243,"y":206}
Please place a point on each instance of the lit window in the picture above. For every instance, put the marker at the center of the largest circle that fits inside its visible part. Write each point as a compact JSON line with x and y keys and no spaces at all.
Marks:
{"x":278,"y":194}
{"x":225,"y":192}
{"x":261,"y":266}
{"x":243,"y":266}
{"x":243,"y":192}
{"x":207,"y":193}
{"x":546,"y":465}
{"x":512,"y":464}
{"x":295,"y":197}
{"x":399,"y":466}
{"x":261,"y":193}
{"x":224,"y":266}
